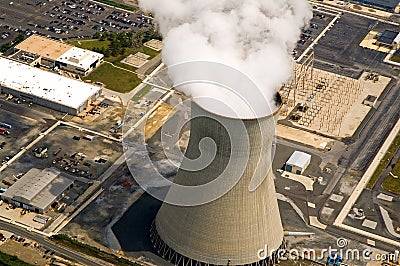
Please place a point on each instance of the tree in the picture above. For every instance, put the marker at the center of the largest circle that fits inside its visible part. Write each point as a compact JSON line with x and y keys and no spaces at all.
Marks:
{"x":97,"y":35}
{"x":137,"y":39}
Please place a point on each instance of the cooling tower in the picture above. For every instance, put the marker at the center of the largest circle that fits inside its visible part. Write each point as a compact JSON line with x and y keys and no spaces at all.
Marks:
{"x":231,"y":229}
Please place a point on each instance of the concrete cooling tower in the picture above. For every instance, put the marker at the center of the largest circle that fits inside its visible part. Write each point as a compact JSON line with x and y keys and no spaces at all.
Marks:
{"x":231,"y":229}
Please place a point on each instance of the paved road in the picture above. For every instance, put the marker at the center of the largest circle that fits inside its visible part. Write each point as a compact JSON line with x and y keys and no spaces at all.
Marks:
{"x":64,"y":252}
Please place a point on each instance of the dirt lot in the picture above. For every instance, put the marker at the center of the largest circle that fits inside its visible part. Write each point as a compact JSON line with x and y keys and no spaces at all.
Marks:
{"x":27,"y":253}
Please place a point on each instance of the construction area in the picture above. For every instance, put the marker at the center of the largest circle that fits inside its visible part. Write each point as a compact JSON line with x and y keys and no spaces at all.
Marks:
{"x":328,"y":104}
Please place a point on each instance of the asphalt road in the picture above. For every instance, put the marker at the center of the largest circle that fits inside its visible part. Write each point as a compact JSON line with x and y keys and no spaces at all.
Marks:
{"x":63,"y":252}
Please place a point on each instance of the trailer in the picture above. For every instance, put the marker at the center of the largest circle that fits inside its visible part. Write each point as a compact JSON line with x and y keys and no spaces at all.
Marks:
{"x":5,"y":125}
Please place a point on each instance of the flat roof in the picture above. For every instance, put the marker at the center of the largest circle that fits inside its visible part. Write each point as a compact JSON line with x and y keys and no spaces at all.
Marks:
{"x":45,"y":85}
{"x":299,"y":159}
{"x":371,"y":98}
{"x":79,"y":57}
{"x":44,"y":47}
{"x":387,"y":36}
{"x":38,"y":187}
{"x":386,"y":4}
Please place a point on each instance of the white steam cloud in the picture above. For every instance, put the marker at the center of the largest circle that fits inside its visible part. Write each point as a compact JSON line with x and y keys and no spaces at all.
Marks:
{"x":255,"y":37}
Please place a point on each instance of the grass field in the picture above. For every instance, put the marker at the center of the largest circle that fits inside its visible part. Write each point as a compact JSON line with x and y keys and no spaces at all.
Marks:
{"x":90,"y":44}
{"x":114,"y":78}
{"x":94,"y":43}
{"x":395,"y":58}
{"x":392,"y":184}
{"x":9,"y":260}
{"x":384,"y":162}
{"x":141,"y":93}
{"x":68,"y":242}
{"x":119,"y":5}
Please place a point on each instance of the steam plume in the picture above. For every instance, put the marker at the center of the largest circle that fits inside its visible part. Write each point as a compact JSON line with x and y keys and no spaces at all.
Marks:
{"x":255,"y":37}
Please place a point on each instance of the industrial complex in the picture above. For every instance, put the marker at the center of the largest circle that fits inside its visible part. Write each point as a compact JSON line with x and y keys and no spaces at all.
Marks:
{"x":55,"y":54}
{"x":146,"y":174}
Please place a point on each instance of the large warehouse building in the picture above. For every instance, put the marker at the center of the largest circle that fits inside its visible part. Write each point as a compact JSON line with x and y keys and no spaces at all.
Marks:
{"x":389,"y":5}
{"x":57,"y":54}
{"x":45,"y":88}
{"x":38,"y":189}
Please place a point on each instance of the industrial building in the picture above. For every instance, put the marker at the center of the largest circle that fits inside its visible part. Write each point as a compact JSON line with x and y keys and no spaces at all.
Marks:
{"x":50,"y":53}
{"x":388,"y":5}
{"x":38,"y":189}
{"x":370,"y":101}
{"x":45,"y":88}
{"x":298,"y":162}
{"x":231,"y":229}
{"x":388,"y":38}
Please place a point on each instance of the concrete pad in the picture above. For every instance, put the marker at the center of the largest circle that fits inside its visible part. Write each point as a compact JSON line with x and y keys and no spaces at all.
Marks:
{"x":335,"y":197}
{"x":369,"y":224}
{"x":16,"y":217}
{"x":385,"y":197}
{"x":369,"y":42}
{"x":327,"y":211}
{"x":135,"y":60}
{"x":301,"y":136}
{"x":154,"y":44}
{"x":388,"y":222}
{"x":314,"y":222}
{"x":306,"y":181}
{"x":311,"y":205}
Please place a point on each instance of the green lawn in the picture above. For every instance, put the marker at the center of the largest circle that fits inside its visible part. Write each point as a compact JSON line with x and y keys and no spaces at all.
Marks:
{"x":141,"y":93}
{"x":392,"y":184}
{"x":384,"y":162}
{"x":149,"y":51}
{"x":89,"y":43}
{"x":68,"y":242}
{"x":9,"y":260}
{"x":395,"y":58}
{"x":114,"y":79}
{"x":112,"y":3}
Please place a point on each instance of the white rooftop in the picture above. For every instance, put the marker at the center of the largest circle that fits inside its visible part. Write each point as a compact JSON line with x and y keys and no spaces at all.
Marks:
{"x":397,"y":39}
{"x":79,"y":57}
{"x":299,"y":159}
{"x":46,"y":85}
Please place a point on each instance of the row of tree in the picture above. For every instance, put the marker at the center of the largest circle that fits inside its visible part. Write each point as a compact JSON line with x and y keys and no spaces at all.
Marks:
{"x":8,"y":45}
{"x":120,"y":41}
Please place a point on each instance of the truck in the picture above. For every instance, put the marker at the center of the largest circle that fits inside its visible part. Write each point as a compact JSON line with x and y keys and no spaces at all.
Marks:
{"x":4,"y":131}
{"x":88,"y":137}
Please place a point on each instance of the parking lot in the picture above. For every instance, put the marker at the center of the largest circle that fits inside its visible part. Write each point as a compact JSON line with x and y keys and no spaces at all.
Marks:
{"x":62,"y":19}
{"x":23,"y":130}
{"x":340,"y":52}
{"x":317,"y":24}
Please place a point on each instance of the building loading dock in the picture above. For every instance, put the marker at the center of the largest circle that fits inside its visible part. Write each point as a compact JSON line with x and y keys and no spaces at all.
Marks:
{"x":38,"y":189}
{"x":298,"y":162}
